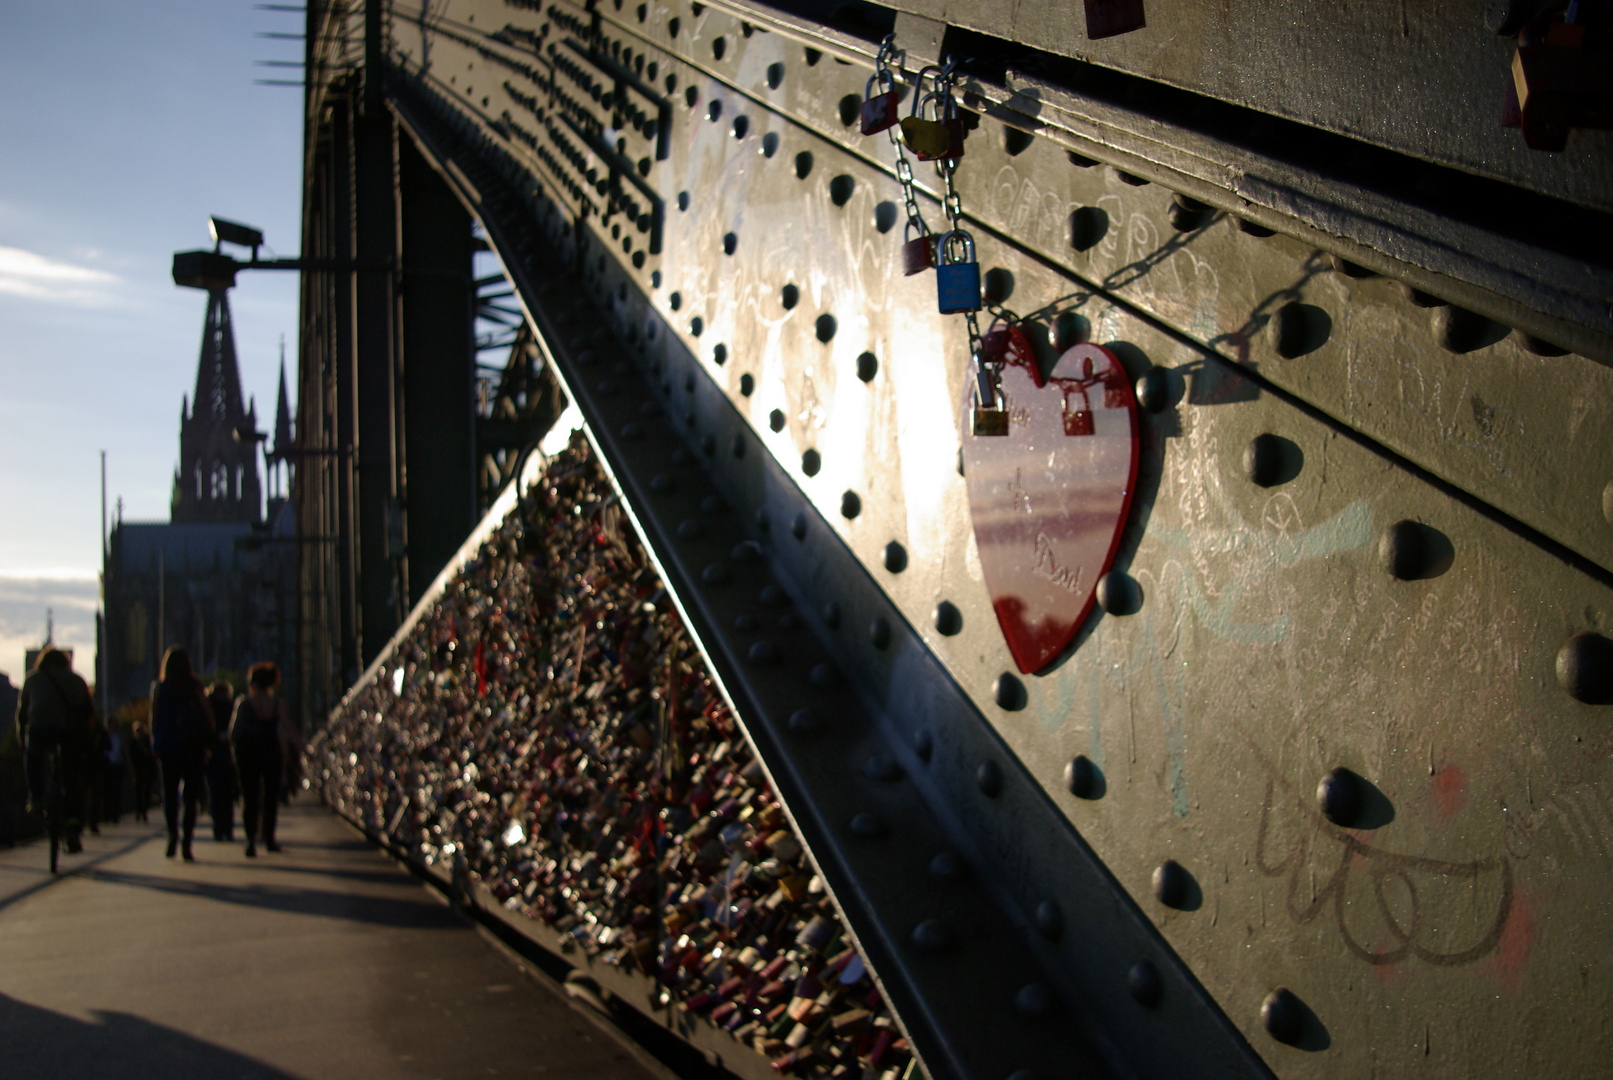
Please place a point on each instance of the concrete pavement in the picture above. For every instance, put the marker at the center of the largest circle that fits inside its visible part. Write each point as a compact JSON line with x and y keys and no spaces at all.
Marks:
{"x":324,"y":961}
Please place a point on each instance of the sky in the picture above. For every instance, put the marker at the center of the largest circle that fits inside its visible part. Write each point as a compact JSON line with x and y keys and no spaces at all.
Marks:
{"x":122,"y":127}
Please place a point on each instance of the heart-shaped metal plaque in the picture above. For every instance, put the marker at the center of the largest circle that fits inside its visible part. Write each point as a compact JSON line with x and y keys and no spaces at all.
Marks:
{"x":1050,"y":498}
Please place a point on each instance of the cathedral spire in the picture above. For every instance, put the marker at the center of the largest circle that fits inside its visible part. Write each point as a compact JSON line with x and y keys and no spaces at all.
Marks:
{"x":282,"y":410}
{"x":218,"y":472}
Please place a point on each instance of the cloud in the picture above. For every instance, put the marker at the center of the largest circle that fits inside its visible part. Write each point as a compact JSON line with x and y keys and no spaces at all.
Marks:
{"x":39,"y":277}
{"x":23,"y":600}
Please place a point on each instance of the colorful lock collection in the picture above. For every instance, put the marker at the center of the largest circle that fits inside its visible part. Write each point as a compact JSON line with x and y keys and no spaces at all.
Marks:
{"x":548,"y":727}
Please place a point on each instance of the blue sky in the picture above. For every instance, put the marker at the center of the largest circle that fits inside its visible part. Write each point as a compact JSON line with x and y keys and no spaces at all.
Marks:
{"x":122,"y":126}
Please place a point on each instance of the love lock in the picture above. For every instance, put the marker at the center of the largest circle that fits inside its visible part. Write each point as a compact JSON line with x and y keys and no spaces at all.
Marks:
{"x":957,"y":283}
{"x":1050,"y":497}
{"x":918,"y":253}
{"x":879,"y":111}
{"x":932,"y":140}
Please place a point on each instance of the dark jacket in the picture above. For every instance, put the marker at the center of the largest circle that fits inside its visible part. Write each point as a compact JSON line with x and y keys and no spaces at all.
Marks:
{"x":253,"y":734}
{"x":175,"y":725}
{"x":55,"y":701}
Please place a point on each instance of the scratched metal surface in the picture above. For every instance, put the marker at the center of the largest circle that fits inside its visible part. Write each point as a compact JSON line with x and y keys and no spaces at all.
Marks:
{"x":1463,"y":934}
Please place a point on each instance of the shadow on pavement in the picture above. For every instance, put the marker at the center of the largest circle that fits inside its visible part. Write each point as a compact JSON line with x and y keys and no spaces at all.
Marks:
{"x":381,"y":911}
{"x":43,"y":1044}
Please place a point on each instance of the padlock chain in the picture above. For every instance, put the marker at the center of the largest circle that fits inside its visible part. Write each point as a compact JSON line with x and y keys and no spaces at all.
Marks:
{"x":904,"y":171}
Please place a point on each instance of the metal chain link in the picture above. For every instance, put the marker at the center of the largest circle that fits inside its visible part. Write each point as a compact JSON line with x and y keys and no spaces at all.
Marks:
{"x":904,"y":171}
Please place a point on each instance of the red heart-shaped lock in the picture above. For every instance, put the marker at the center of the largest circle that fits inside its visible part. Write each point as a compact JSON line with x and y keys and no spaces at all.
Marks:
{"x":1050,"y":498}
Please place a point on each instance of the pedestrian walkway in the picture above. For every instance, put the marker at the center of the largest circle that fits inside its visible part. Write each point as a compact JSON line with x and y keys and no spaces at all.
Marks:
{"x":324,"y":961}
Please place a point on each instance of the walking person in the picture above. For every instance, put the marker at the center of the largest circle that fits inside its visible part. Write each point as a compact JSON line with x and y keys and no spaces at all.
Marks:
{"x":117,"y":758}
{"x":55,"y":712}
{"x":144,"y":763}
{"x":255,"y":732}
{"x":182,"y":728}
{"x":221,"y":784}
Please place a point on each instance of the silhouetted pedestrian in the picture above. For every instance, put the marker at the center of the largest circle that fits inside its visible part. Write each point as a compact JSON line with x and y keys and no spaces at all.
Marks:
{"x":221,"y":785}
{"x":182,"y":729}
{"x":55,"y":712}
{"x":116,"y":752}
{"x":255,"y":732}
{"x":143,"y":762}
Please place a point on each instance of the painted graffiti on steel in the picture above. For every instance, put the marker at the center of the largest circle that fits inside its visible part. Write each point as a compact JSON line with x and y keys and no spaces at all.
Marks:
{"x":1049,"y":499}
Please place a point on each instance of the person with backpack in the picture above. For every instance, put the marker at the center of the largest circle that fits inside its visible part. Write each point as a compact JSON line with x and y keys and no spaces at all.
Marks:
{"x":56,"y":713}
{"x":182,"y":730}
{"x":255,"y":732}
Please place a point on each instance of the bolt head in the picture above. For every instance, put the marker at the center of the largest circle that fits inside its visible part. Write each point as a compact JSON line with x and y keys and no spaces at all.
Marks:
{"x":923,"y":744}
{"x":868,"y":825}
{"x":1049,"y":920}
{"x":1283,"y":1015}
{"x":1145,"y":984}
{"x":948,"y":619}
{"x":989,"y":779}
{"x":1081,"y":777}
{"x":798,"y":527}
{"x":1170,"y":884}
{"x":932,"y":935}
{"x":1034,"y":999}
{"x":1285,"y":331}
{"x":882,"y":767}
{"x":1009,"y":692}
{"x":804,"y":722}
{"x":879,"y":633}
{"x":1402,"y":552}
{"x":1585,"y":668}
{"x":1339,"y":797}
{"x":1153,"y":389}
{"x":1117,"y":594}
{"x":946,"y":867}
{"x":895,"y":557}
{"x":1262,"y":459}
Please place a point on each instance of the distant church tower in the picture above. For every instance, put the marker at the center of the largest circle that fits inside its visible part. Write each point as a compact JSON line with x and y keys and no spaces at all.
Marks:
{"x":217,"y":478}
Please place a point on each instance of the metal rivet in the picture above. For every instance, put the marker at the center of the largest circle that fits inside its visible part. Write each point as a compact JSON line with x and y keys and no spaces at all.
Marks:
{"x":1607,"y":502}
{"x":821,"y":674}
{"x":1283,"y":1015}
{"x":850,"y":505}
{"x":763,"y":652}
{"x":811,"y":462}
{"x":1339,"y":796}
{"x":895,"y":557}
{"x":1170,"y":884}
{"x":831,"y":615}
{"x":948,"y":619}
{"x":804,"y":722}
{"x":1152,"y":389}
{"x":1349,"y":269}
{"x":1585,"y":667}
{"x":879,"y":633}
{"x":1117,"y":594}
{"x":882,"y":767}
{"x":798,"y":527}
{"x":1009,"y":692}
{"x":932,"y":935}
{"x":1144,"y":983}
{"x":989,"y":779}
{"x":1401,"y":550}
{"x":1034,"y":999}
{"x":946,"y":867}
{"x":737,"y":447}
{"x":867,"y":367}
{"x":690,"y":529}
{"x":1285,"y":332}
{"x":714,"y":574}
{"x":1420,"y":298}
{"x":868,"y":824}
{"x":1186,"y":213}
{"x":632,"y":430}
{"x":1262,"y":459}
{"x":923,"y":744}
{"x":1049,"y":920}
{"x":746,"y":551}
{"x":1539,"y":346}
{"x":744,"y":623}
{"x":763,"y":521}
{"x":775,"y":420}
{"x":771,"y":596}
{"x":1458,"y":330}
{"x":713,"y":504}
{"x":1081,"y":777}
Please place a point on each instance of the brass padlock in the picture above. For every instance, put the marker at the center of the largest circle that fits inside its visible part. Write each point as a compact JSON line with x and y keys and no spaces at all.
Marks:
{"x":988,"y":417}
{"x":942,"y":137}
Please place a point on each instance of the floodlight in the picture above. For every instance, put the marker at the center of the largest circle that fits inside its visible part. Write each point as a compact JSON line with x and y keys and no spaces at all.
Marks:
{"x":233,"y":232}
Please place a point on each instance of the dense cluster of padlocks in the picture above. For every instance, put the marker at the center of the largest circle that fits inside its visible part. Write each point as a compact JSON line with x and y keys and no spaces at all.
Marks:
{"x":548,"y":727}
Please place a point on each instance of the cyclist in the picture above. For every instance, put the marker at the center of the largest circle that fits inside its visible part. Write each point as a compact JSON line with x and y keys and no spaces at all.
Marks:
{"x":55,"y":712}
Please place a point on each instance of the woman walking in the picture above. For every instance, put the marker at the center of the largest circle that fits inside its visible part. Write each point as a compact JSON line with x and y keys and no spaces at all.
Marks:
{"x":255,"y":734}
{"x":182,"y":728}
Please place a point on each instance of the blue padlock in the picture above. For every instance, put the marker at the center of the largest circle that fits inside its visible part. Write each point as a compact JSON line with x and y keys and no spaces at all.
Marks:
{"x":957,"y":282}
